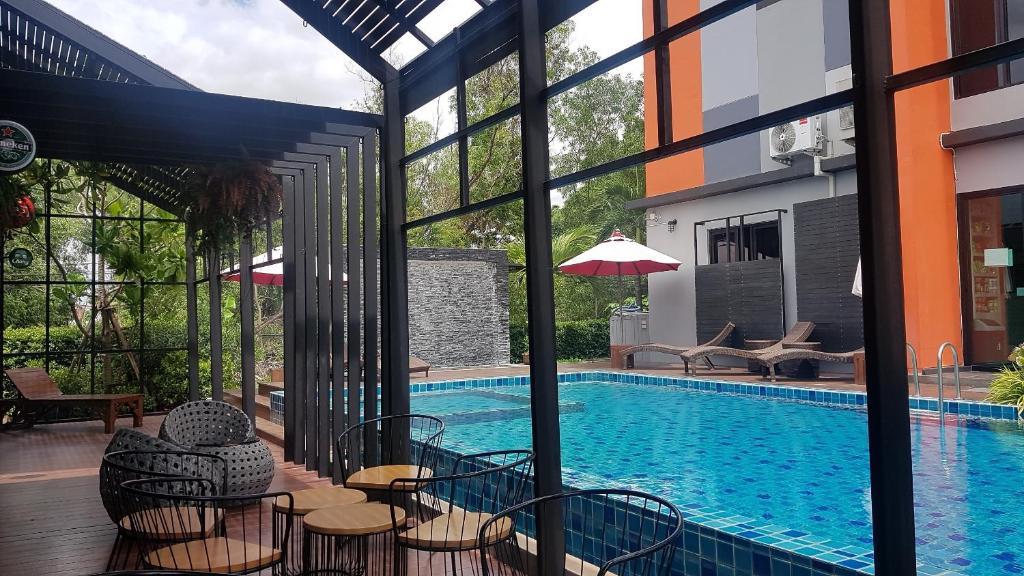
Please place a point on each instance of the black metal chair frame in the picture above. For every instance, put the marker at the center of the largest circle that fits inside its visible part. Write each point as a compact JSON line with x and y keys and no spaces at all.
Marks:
{"x":114,"y":473}
{"x":430,"y":503}
{"x":352,"y":442}
{"x":667,"y":543}
{"x":208,"y":503}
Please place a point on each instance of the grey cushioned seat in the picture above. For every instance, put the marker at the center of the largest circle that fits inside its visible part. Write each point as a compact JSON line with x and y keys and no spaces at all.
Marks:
{"x":221,"y":429}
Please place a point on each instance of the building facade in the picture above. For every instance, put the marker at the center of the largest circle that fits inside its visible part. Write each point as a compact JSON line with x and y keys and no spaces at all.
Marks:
{"x":769,"y":240}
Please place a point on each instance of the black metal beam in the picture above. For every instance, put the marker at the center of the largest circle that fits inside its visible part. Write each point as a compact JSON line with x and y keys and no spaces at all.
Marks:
{"x":323,"y":21}
{"x":216,"y":335}
{"x":352,"y":253}
{"x":192,"y":314}
{"x":892,"y":483}
{"x":463,"y":210}
{"x":662,"y":76}
{"x":288,"y":253}
{"x":395,"y":282}
{"x":540,"y":290}
{"x":246,"y":303}
{"x":741,"y":128}
{"x":466,"y":132}
{"x":997,"y":54}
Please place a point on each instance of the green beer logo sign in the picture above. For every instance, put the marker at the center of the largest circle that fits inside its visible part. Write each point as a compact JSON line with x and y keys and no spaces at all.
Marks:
{"x":17,"y":146}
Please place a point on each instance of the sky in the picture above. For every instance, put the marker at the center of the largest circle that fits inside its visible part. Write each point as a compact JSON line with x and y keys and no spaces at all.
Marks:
{"x":261,"y":49}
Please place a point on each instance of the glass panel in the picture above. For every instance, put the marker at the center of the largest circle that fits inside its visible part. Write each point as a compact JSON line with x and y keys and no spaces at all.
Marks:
{"x":431,"y":122}
{"x":449,"y":14}
{"x":69,"y":315}
{"x":163,"y":256}
{"x":166,"y":317}
{"x":496,"y":160}
{"x":493,"y":90}
{"x":433,"y":183}
{"x":71,"y":249}
{"x":24,"y":258}
{"x":602,"y":29}
{"x":24,"y":314}
{"x":166,"y":377}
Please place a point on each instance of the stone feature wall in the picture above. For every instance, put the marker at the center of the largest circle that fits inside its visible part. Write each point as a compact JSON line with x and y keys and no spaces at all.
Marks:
{"x":458,"y":306}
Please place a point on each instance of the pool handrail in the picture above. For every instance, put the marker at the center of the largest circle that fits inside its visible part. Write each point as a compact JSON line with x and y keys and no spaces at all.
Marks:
{"x":913,"y":364}
{"x":956,"y":373}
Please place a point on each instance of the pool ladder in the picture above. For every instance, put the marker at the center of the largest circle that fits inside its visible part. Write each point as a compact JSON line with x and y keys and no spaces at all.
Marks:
{"x":956,"y":374}
{"x":913,"y":364}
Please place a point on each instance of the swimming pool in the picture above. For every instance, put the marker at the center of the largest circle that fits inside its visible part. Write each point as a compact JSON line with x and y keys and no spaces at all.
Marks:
{"x":790,"y":475}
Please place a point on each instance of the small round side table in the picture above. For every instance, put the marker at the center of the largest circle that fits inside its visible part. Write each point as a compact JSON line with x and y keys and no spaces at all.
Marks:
{"x":353,"y":539}
{"x":306,"y":501}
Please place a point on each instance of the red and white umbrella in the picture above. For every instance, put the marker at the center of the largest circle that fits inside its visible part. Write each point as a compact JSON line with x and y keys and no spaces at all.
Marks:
{"x":619,"y":256}
{"x":270,"y":274}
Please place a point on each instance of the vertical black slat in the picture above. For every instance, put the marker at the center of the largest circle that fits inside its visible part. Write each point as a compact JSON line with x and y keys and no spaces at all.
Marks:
{"x":323,"y":314}
{"x":46,"y":240}
{"x":728,"y":240}
{"x":216,"y":336}
{"x":892,"y":484}
{"x":142,"y":303}
{"x":288,"y":265}
{"x":246,"y":303}
{"x":299,"y":397}
{"x":92,"y":309}
{"x":192,"y":314}
{"x":352,"y":255}
{"x":663,"y":76}
{"x":309,"y":304}
{"x":739,"y":242}
{"x":370,"y":273}
{"x":396,"y":336}
{"x":540,"y":289}
{"x":460,"y":107}
{"x":782,"y":268}
{"x":337,"y":206}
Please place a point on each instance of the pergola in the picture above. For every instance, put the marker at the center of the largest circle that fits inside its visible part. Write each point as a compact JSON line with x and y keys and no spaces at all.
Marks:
{"x":314,"y":142}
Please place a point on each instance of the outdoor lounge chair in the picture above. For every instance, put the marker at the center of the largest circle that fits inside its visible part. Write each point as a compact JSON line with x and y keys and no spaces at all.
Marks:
{"x":800,"y":332}
{"x":627,"y":353}
{"x":771,"y":360}
{"x":416,"y":365}
{"x":38,"y":389}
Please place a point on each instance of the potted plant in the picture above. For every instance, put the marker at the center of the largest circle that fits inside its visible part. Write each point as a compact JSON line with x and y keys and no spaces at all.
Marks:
{"x":226,"y":200}
{"x":1008,"y":385}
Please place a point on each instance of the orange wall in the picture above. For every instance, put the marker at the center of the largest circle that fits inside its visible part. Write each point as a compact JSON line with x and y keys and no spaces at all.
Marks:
{"x":931,"y":275}
{"x":684,"y":170}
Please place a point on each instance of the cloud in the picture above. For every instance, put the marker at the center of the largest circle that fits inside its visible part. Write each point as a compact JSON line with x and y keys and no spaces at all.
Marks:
{"x":255,"y":48}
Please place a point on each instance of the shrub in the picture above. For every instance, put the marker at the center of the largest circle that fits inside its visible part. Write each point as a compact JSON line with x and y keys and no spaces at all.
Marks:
{"x":578,"y":340}
{"x":33,"y":339}
{"x":1008,"y":385}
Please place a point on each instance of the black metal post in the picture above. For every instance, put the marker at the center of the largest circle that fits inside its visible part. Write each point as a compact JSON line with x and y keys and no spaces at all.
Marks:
{"x":460,"y":109}
{"x":246,"y":305}
{"x":352,"y":254}
{"x":662,"y":75}
{"x":309,"y":303}
{"x":216,"y":336}
{"x":370,"y":274}
{"x":540,"y":288}
{"x":288,"y":255}
{"x":396,"y":336}
{"x":892,"y":485}
{"x":299,"y":397}
{"x":323,"y":307}
{"x":191,"y":311}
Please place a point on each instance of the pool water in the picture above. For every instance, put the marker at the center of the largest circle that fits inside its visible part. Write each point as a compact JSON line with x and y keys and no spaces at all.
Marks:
{"x":773,"y":470}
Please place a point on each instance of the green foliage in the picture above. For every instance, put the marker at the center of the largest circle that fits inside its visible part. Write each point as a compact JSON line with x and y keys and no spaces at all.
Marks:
{"x":33,"y":339}
{"x":579,"y":340}
{"x":1008,"y":385}
{"x":227,"y":200}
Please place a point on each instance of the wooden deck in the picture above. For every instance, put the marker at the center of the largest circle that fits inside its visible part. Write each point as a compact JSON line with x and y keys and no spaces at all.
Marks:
{"x":54,"y":523}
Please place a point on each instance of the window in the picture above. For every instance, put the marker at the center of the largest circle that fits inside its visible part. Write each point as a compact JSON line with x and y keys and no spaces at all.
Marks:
{"x":760,"y":241}
{"x":981,"y":23}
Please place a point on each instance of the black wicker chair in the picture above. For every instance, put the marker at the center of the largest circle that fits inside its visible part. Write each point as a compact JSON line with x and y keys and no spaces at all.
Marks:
{"x":607,"y":531}
{"x":120,"y":467}
{"x":221,"y":429}
{"x":247,"y":540}
{"x":374,"y":452}
{"x":450,"y":509}
{"x":155,"y":573}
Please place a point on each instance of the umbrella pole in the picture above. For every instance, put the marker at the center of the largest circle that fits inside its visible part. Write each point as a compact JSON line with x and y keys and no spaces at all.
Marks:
{"x":622,"y":331}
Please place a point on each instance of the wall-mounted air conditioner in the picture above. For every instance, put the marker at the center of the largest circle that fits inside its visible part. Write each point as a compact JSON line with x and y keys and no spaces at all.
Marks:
{"x":803,"y":136}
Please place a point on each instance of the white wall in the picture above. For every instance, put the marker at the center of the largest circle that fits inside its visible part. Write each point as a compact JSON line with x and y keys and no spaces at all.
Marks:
{"x":989,"y":165}
{"x":672,"y":294}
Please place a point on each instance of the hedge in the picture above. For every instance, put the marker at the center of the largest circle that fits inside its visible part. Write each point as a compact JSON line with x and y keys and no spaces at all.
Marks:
{"x":578,"y":340}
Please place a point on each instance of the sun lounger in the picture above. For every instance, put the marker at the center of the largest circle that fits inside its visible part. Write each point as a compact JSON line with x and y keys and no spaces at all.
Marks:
{"x":771,"y":360}
{"x":416,"y":365}
{"x":800,"y":332}
{"x":38,"y":389}
{"x":627,"y":353}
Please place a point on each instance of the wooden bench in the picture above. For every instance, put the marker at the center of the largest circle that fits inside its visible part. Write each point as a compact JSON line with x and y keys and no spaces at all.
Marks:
{"x":38,"y":389}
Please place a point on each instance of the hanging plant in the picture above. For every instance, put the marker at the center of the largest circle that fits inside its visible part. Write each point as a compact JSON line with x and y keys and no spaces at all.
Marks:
{"x":16,"y":207}
{"x":226,"y":200}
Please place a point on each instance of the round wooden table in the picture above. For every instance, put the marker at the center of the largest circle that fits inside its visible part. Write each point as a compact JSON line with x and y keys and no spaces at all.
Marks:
{"x":352,"y":539}
{"x":305,"y":502}
{"x":380,"y":477}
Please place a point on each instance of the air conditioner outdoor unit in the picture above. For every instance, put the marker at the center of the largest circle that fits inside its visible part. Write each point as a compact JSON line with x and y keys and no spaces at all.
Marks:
{"x":802,"y":136}
{"x":846,"y":128}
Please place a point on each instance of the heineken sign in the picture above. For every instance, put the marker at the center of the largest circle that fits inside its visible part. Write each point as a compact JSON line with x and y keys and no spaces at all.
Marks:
{"x":17,"y":146}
